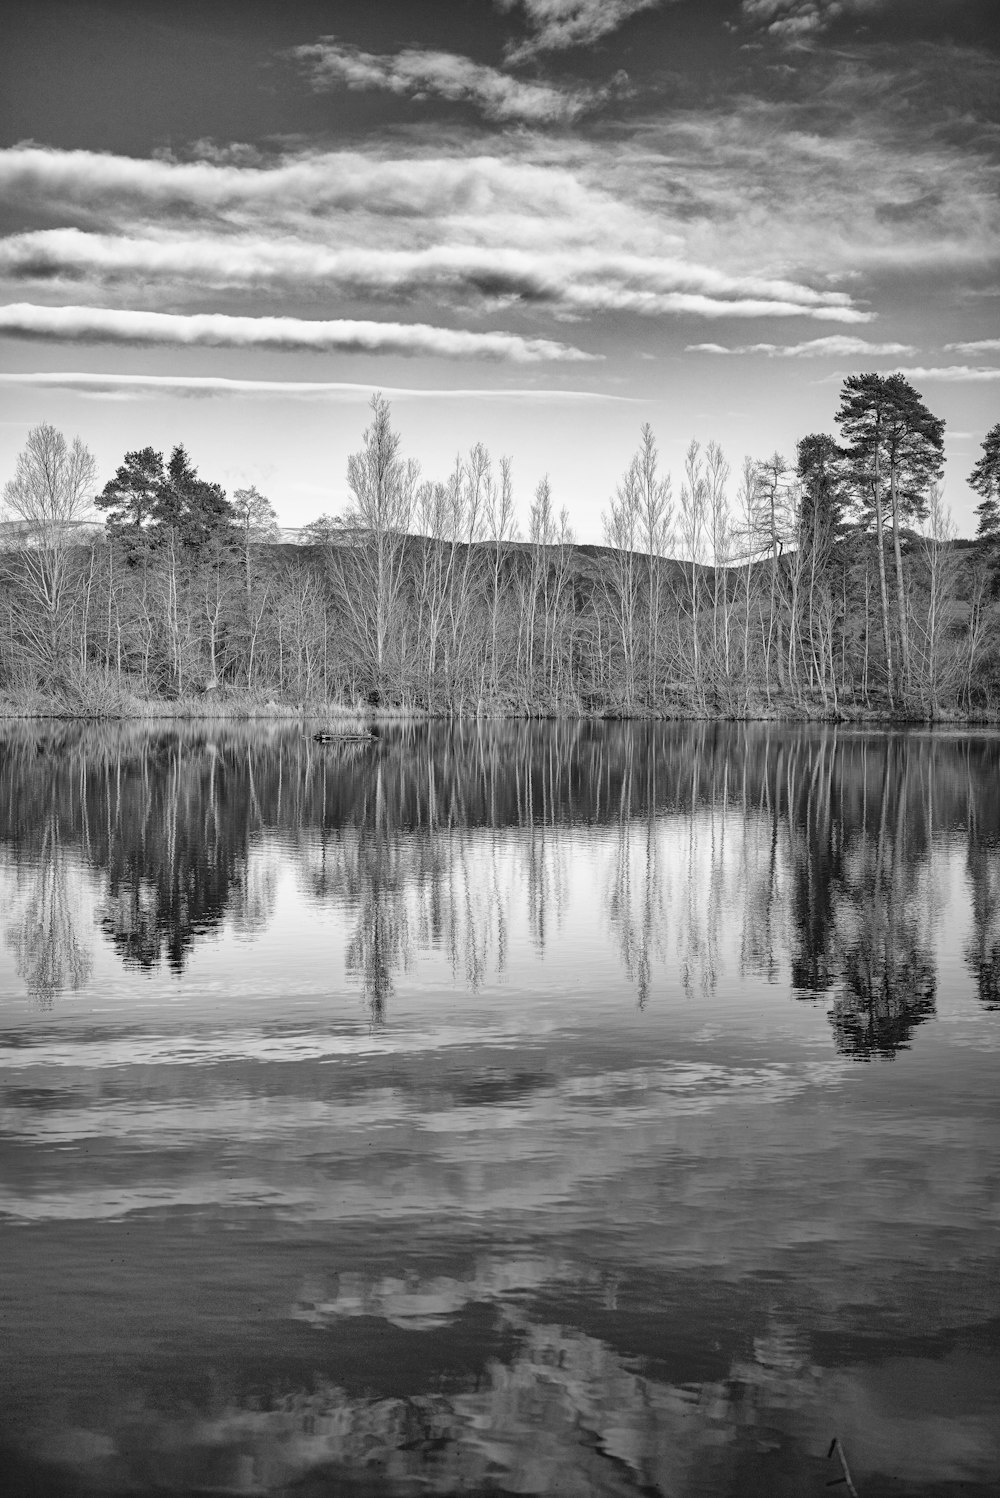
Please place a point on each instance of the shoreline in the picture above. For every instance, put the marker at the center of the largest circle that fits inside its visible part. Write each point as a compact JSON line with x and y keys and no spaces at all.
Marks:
{"x":349,"y":719}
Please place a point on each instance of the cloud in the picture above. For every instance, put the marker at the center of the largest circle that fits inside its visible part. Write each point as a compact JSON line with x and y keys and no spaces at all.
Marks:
{"x":979,"y":346}
{"x":808,"y":175}
{"x":786,"y":172}
{"x":125,"y":386}
{"x":954,"y":373}
{"x":712,"y":307}
{"x":799,"y":18}
{"x":574,"y":282}
{"x":838,"y":346}
{"x":215,"y":330}
{"x":417,"y":74}
{"x":313,"y":184}
{"x":745,"y":209}
{"x":558,"y":24}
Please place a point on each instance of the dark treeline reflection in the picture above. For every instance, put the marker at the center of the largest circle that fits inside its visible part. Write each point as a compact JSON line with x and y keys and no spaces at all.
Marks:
{"x":802,"y":855}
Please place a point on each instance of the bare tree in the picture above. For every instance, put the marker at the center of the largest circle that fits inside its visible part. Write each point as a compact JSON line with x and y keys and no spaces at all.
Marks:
{"x":721,"y":535}
{"x":435,"y":561}
{"x":774,"y":523}
{"x":48,"y":498}
{"x":376,"y":522}
{"x":502,"y":531}
{"x":655,"y":517}
{"x":620,"y":578}
{"x":937,"y":611}
{"x":746,"y":501}
{"x":692,"y":537}
{"x":468,"y":503}
{"x":258,"y":526}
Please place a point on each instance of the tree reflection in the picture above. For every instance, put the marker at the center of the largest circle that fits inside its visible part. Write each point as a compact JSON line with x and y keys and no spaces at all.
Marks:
{"x":983,"y":950}
{"x":880,"y":934}
{"x":771,"y":853}
{"x":817,"y":865}
{"x":255,"y":893}
{"x":374,"y":889}
{"x":888,"y":985}
{"x":633,"y":912}
{"x":50,"y":952}
{"x":176,"y":851}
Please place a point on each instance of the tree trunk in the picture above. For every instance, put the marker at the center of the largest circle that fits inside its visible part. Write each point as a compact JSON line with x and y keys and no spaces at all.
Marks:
{"x":904,"y":633}
{"x":883,"y":587}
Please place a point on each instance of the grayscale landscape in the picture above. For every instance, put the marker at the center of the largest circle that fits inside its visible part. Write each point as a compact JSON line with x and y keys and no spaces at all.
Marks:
{"x":499,"y":748}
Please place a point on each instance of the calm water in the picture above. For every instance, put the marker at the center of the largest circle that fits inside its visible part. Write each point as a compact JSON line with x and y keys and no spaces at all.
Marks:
{"x":572,"y":1109}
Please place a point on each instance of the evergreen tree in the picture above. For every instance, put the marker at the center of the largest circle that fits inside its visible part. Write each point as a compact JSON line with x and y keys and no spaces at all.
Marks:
{"x":985,"y":480}
{"x":131,"y":497}
{"x":820,"y":470}
{"x":896,"y":449}
{"x":195,"y":509}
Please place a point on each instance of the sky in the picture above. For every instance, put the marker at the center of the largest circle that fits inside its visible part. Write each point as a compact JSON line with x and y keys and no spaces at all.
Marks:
{"x":538,"y":224}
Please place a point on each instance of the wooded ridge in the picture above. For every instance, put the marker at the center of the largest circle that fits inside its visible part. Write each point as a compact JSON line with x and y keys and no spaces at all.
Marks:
{"x":832,"y":586}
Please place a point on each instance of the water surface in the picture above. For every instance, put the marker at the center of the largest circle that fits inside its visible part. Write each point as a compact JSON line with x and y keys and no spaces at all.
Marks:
{"x":578,"y":1109}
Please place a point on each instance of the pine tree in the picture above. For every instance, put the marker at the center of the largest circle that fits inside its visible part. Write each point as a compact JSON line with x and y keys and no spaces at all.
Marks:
{"x":896,"y":449}
{"x":131,"y":497}
{"x":195,"y":509}
{"x":985,"y":480}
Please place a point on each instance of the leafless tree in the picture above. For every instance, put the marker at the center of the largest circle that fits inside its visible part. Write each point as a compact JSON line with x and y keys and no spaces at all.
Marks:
{"x":692,"y":538}
{"x":372,"y":567}
{"x":48,"y":498}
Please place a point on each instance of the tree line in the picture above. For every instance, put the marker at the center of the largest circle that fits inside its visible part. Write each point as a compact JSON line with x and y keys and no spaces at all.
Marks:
{"x":831,"y":583}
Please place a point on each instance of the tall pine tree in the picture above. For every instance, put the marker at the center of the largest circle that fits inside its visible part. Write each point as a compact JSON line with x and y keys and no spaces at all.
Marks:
{"x":985,"y":480}
{"x":896,"y":449}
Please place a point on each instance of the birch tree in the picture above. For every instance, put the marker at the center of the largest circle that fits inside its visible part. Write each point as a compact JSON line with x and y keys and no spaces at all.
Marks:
{"x":376,"y":523}
{"x":654,"y":509}
{"x":692,"y":538}
{"x":50,"y":495}
{"x":620,"y":577}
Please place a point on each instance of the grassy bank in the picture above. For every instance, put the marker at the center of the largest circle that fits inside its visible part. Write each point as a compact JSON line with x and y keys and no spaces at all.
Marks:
{"x":109,"y":702}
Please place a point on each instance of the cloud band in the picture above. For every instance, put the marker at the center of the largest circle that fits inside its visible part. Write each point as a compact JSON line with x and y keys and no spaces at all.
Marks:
{"x":219,"y":330}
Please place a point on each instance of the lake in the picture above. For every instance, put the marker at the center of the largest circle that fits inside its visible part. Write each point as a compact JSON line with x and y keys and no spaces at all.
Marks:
{"x":568,"y":1108}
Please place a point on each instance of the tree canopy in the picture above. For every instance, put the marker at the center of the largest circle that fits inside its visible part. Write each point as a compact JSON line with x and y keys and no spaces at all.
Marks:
{"x":130,"y":498}
{"x":147,"y":498}
{"x":820,"y":470}
{"x":891,"y":437}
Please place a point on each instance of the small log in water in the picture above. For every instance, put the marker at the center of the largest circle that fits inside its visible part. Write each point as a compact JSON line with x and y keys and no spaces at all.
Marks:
{"x":371,"y":736}
{"x":845,"y":1481}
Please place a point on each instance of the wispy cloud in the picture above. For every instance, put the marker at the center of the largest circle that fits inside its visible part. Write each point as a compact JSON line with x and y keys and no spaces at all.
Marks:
{"x":787,"y":170}
{"x":214,"y":329}
{"x":747,"y":307}
{"x":126,"y":386}
{"x":955,"y":374}
{"x":418,"y":74}
{"x":801,"y":18}
{"x":558,"y":24}
{"x":574,"y":282}
{"x":835,"y":347}
{"x":978,"y":346}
